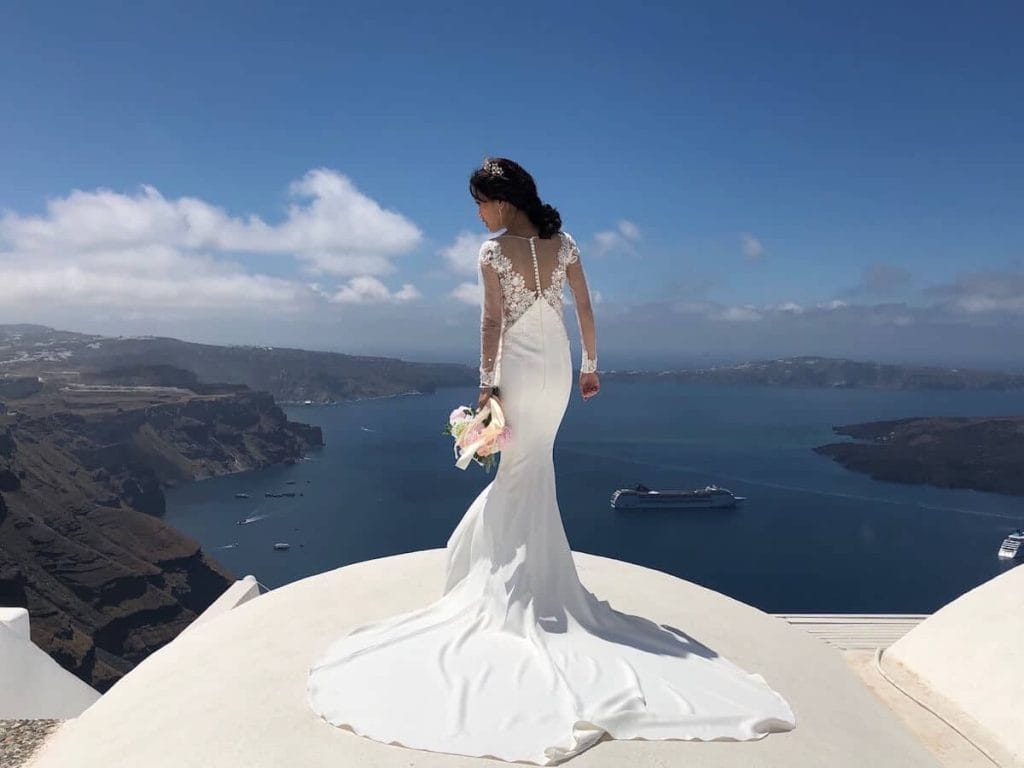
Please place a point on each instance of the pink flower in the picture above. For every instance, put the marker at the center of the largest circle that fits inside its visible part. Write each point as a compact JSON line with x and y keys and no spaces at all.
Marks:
{"x":467,"y":430}
{"x":459,"y":414}
{"x":472,"y":434}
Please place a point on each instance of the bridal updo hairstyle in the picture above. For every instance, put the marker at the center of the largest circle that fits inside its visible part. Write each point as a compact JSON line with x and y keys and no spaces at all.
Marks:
{"x":502,"y":179}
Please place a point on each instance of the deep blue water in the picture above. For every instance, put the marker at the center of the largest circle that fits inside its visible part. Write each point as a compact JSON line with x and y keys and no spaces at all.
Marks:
{"x":812,"y":536}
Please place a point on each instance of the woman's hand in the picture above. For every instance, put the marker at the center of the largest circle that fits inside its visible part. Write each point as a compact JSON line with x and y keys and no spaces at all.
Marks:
{"x":485,"y":395}
{"x":589,"y":385}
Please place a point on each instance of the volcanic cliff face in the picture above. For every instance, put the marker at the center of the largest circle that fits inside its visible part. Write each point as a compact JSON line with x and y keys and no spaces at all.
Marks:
{"x":106,"y":582}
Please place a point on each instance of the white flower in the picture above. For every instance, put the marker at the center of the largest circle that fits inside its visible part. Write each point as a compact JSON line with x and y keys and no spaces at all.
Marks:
{"x":462,"y":413}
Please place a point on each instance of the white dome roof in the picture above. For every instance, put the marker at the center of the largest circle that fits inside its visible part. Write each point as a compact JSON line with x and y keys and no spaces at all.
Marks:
{"x":231,"y":692}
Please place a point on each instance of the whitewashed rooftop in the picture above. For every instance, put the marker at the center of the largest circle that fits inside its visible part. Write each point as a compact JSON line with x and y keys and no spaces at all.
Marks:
{"x":33,"y":685}
{"x":231,"y":691}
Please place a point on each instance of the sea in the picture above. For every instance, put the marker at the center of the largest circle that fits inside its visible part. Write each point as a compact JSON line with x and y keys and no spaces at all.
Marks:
{"x":811,"y":536}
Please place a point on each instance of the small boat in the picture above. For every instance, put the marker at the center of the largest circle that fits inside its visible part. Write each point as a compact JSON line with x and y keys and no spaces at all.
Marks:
{"x":282,"y":545}
{"x":241,"y":495}
{"x":289,"y":482}
{"x":1012,"y":545}
{"x":285,"y":495}
{"x":642,"y":497}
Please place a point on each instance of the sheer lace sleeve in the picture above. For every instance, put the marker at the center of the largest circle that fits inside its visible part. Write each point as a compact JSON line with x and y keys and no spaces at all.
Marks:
{"x":490,"y":313}
{"x":584,"y":311}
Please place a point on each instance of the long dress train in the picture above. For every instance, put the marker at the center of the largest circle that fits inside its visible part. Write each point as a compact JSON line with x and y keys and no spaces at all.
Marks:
{"x":517,"y":660}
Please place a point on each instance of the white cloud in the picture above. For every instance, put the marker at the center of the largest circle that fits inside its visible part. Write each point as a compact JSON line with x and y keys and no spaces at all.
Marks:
{"x":629,"y":230}
{"x":606,"y":241}
{"x":622,"y":239}
{"x":336,"y":230}
{"x":752,"y":247}
{"x":462,"y":256}
{"x":172,"y":281}
{"x":745,"y":314}
{"x":977,"y":293}
{"x":789,"y":306}
{"x":692,"y":330}
{"x":142,"y":252}
{"x":596,"y":297}
{"x":467,"y":293}
{"x":140,"y":262}
{"x":366,"y":289}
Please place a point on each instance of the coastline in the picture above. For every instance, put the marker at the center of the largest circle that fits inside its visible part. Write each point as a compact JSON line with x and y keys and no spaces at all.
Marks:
{"x":973,"y":453}
{"x":86,"y":550}
{"x":313,"y":404}
{"x":764,"y":451}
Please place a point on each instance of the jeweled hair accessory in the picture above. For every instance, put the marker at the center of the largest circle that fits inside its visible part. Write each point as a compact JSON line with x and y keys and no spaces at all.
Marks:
{"x":493,"y":168}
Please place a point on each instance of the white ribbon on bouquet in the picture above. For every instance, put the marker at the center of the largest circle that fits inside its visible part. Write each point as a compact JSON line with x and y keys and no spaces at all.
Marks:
{"x":488,"y":433}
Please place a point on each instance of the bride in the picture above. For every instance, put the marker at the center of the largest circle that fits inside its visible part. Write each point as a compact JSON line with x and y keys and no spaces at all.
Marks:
{"x":517,"y":660}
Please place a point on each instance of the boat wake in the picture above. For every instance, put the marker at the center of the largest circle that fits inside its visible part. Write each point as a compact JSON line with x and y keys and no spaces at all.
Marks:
{"x":252,"y":519}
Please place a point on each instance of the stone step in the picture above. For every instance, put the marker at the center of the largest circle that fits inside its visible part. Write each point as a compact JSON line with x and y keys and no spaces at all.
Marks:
{"x":855,"y":631}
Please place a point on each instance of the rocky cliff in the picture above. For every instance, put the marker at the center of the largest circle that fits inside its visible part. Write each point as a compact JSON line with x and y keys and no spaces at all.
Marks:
{"x":82,"y":545}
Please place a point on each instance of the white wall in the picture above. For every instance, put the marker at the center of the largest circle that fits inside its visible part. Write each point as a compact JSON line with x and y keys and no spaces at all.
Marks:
{"x":971,"y":653}
{"x":32,"y":685}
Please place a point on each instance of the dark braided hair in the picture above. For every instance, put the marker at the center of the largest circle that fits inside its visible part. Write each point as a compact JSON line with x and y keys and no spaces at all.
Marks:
{"x":502,"y":179}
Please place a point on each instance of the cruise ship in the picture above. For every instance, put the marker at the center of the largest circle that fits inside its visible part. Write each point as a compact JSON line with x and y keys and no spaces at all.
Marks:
{"x":1011,"y":545}
{"x":642,"y":497}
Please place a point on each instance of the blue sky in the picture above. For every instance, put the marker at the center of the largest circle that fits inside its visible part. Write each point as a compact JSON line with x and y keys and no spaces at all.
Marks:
{"x":746,"y":179}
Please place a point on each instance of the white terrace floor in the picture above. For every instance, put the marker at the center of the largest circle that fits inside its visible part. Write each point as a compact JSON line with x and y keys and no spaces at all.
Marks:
{"x":230,"y":692}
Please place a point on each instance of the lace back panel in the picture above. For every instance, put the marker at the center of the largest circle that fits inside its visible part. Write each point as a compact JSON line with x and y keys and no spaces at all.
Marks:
{"x":511,"y":281}
{"x":519,"y":277}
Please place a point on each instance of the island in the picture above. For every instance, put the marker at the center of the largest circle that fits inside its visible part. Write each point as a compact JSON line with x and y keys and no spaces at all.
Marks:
{"x":810,"y":371}
{"x":983,"y":454}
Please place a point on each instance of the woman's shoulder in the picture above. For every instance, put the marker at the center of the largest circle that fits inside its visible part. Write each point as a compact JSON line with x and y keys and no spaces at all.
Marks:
{"x":570,"y":250}
{"x":490,"y":251}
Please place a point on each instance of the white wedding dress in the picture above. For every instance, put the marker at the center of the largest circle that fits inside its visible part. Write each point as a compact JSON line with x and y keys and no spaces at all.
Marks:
{"x":517,"y":659}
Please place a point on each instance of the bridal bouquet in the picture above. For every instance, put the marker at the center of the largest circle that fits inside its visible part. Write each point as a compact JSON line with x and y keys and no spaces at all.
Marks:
{"x":479,"y":434}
